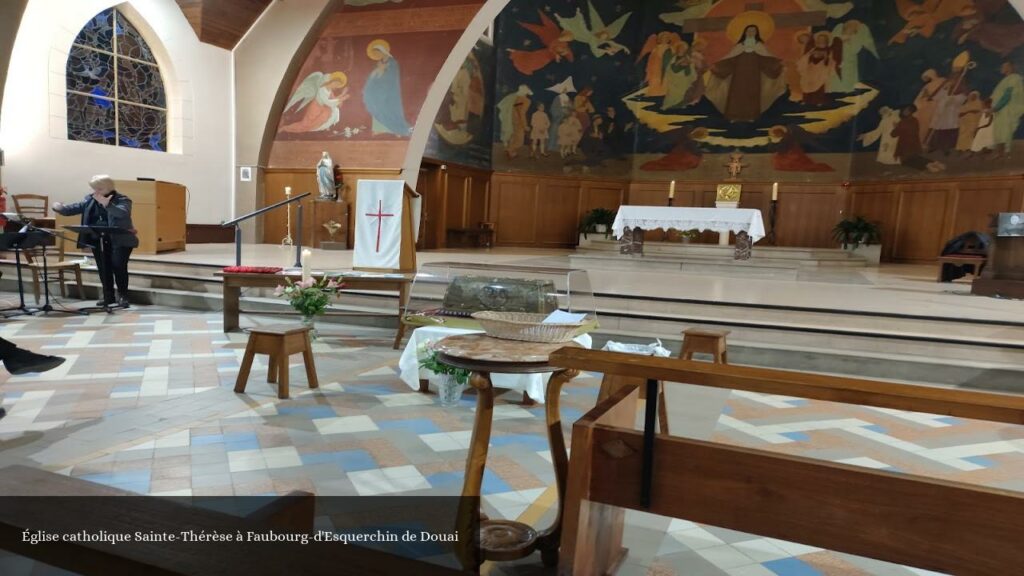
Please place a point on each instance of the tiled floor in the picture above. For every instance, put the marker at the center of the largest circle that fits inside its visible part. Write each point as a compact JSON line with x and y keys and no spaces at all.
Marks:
{"x":145,"y":403}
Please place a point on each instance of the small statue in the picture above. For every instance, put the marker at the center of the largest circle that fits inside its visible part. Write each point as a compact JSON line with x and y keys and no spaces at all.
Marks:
{"x":325,"y":178}
{"x":332,"y":228}
{"x":735,"y":165}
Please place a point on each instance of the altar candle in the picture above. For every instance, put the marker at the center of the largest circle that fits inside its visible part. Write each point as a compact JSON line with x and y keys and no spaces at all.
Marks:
{"x":306,"y":260}
{"x":672,"y":189}
{"x":775,"y":191}
{"x":288,"y":191}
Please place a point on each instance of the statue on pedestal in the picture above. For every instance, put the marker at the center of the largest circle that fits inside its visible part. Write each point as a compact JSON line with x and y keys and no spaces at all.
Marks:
{"x":325,"y":178}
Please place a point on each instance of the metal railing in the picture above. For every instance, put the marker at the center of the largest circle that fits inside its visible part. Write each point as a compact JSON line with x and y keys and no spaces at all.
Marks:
{"x":237,"y":223}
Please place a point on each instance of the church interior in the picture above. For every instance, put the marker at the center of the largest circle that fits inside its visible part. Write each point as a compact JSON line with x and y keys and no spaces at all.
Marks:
{"x":512,"y":287}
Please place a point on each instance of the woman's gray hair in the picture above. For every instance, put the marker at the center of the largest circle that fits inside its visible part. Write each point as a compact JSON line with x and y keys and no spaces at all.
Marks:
{"x":101,"y":181}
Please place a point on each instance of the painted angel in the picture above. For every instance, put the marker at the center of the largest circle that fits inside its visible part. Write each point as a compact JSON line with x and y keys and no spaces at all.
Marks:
{"x":600,"y":37}
{"x":922,"y":18}
{"x":819,"y":66}
{"x":658,"y":49}
{"x":319,"y":98}
{"x":855,"y":37}
{"x":556,"y":46}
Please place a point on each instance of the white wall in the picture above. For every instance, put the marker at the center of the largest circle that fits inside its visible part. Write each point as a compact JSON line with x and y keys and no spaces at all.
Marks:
{"x":33,"y":122}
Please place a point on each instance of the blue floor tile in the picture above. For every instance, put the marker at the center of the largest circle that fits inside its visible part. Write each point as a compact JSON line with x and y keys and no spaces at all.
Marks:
{"x":797,"y":436}
{"x":493,"y":484}
{"x":416,"y":425}
{"x":791,"y":567}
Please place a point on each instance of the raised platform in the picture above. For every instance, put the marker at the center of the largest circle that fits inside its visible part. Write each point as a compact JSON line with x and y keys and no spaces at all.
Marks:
{"x":775,"y":262}
{"x":891,"y":322}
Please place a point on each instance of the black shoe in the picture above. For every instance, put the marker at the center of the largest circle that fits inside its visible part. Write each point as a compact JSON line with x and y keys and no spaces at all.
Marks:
{"x":106,"y":302}
{"x":25,"y":362}
{"x":2,"y":413}
{"x":122,"y":301}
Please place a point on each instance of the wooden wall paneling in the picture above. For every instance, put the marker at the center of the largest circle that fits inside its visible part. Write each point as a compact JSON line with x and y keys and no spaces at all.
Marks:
{"x":877,"y":203}
{"x":513,"y":209}
{"x":429,"y":186}
{"x":976,"y":203}
{"x":456,"y":187}
{"x":599,"y":195}
{"x":275,"y":222}
{"x":476,"y":199}
{"x":209,"y":234}
{"x":558,"y":214}
{"x":806,"y":215}
{"x":921,"y":224}
{"x":222,"y":22}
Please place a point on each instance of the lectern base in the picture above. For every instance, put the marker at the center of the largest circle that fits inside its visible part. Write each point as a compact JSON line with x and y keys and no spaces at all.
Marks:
{"x":998,"y":288}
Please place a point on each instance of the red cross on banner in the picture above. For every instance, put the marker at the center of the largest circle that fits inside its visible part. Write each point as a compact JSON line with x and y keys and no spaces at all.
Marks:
{"x":380,"y":216}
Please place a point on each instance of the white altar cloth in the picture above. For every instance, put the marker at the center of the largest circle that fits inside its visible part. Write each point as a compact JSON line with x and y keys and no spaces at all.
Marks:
{"x":411,"y":373}
{"x":721,"y":220}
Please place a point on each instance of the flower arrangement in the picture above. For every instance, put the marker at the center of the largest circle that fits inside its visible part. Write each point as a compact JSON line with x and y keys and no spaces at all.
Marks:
{"x":429,"y":361}
{"x":309,"y":297}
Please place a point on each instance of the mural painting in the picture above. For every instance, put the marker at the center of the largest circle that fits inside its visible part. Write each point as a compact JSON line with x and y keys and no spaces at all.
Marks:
{"x":813,"y":89}
{"x":462,"y":131}
{"x":360,"y":89}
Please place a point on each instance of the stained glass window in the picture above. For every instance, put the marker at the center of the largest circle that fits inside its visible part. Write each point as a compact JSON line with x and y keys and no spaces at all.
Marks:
{"x":115,"y":92}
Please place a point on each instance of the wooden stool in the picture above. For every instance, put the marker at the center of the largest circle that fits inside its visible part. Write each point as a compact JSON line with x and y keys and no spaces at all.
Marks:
{"x":612,"y":383}
{"x":279,"y":342}
{"x":707,"y":341}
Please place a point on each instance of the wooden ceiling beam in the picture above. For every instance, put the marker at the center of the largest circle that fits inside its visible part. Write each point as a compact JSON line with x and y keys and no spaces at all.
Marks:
{"x":222,"y":22}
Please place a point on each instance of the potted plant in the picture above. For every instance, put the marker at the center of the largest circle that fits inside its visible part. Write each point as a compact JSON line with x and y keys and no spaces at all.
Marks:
{"x":309,"y":297}
{"x":598,"y":220}
{"x":860,"y":236}
{"x":691,"y":236}
{"x":450,"y":380}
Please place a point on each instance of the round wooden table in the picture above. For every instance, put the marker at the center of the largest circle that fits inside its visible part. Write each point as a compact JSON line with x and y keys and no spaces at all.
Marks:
{"x":481,"y":355}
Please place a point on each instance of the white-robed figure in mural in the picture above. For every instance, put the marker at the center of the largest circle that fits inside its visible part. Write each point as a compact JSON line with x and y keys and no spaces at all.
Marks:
{"x":749,"y":79}
{"x":855,"y":37}
{"x":888,"y":118}
{"x":561,"y":107}
{"x":382,"y":94}
{"x":319,"y":97}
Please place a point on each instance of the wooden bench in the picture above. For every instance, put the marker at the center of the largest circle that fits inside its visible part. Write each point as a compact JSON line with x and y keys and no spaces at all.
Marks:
{"x":696,"y":340}
{"x":279,"y":342}
{"x":976,"y":262}
{"x":40,"y":510}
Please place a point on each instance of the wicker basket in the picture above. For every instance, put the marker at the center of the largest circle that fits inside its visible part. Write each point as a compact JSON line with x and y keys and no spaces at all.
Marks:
{"x":525,"y":326}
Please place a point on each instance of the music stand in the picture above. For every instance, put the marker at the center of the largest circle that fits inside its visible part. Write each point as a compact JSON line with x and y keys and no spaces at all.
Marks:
{"x":99,"y":232}
{"x":47,"y":307}
{"x":16,"y":242}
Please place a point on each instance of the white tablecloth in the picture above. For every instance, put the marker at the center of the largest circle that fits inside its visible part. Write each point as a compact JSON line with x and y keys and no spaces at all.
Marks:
{"x":714,"y":219}
{"x":532,"y":384}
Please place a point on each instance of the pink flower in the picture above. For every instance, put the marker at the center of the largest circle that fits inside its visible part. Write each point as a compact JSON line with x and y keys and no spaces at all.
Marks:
{"x":306,"y":283}
{"x":332,"y":285}
{"x":279,"y":291}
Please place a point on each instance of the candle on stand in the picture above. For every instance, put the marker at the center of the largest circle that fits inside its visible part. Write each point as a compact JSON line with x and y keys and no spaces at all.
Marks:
{"x":672,"y":190}
{"x":307,"y":261}
{"x":775,"y":191}
{"x":288,"y":191}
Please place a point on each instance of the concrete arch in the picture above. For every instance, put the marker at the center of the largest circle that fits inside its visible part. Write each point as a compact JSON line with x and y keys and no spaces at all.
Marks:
{"x":435,"y":96}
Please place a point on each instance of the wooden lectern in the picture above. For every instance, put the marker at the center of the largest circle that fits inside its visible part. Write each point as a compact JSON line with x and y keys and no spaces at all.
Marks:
{"x":158,"y":212}
{"x":1004,"y":273}
{"x":373,"y":217}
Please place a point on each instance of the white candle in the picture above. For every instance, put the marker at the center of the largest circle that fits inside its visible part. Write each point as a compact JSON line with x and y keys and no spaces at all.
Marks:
{"x":775,"y":191}
{"x":307,"y":261}
{"x":288,"y":191}
{"x":672,"y":189}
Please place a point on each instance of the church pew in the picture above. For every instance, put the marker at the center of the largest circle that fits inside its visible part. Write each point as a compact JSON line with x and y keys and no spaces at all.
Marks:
{"x":132,"y":513}
{"x":950,"y":527}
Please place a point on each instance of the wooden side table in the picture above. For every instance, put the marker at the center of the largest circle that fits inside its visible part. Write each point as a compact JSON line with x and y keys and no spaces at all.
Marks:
{"x":480,"y":354}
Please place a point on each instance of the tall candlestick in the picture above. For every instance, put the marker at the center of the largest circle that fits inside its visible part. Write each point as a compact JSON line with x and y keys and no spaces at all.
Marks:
{"x":307,"y":262}
{"x":672,"y":190}
{"x":288,"y":191}
{"x":775,"y":191}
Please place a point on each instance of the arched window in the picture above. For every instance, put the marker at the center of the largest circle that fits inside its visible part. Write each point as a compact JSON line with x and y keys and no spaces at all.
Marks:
{"x":115,"y":94}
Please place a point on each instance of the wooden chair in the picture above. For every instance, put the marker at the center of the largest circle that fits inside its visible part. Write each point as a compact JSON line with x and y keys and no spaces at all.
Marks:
{"x":32,"y":206}
{"x":36,"y":207}
{"x":707,"y":341}
{"x":279,"y":342}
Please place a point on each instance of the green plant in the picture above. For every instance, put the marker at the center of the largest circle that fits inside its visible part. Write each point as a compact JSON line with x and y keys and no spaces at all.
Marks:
{"x":693,"y":234}
{"x":856,"y":231}
{"x":594,"y":218}
{"x":309,"y":297}
{"x":429,"y":361}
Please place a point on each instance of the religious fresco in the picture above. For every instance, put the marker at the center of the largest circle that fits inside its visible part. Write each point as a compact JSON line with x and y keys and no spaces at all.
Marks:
{"x":807,"y":88}
{"x":359,"y":92}
{"x":463,"y":129}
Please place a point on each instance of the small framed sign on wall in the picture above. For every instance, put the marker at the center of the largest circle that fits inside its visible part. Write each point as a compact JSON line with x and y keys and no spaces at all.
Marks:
{"x":245,"y":173}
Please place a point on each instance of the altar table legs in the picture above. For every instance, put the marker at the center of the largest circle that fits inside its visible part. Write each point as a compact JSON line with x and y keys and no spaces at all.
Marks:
{"x":507,"y":539}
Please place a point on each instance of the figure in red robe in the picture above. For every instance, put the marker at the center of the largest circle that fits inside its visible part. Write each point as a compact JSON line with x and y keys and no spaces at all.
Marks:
{"x":556,"y":46}
{"x":790,"y":155}
{"x":685,"y":155}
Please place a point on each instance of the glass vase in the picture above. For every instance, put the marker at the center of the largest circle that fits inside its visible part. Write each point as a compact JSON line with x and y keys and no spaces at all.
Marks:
{"x":449,"y":391}
{"x":310,"y":322}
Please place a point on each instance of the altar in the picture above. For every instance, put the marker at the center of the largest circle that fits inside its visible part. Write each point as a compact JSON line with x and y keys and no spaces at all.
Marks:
{"x":746,"y":223}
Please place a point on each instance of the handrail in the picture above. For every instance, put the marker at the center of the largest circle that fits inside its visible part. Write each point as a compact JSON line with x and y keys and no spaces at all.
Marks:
{"x":264,"y":209}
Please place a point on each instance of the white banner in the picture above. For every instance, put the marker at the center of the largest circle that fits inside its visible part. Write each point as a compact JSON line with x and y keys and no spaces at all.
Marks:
{"x":378,"y":222}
